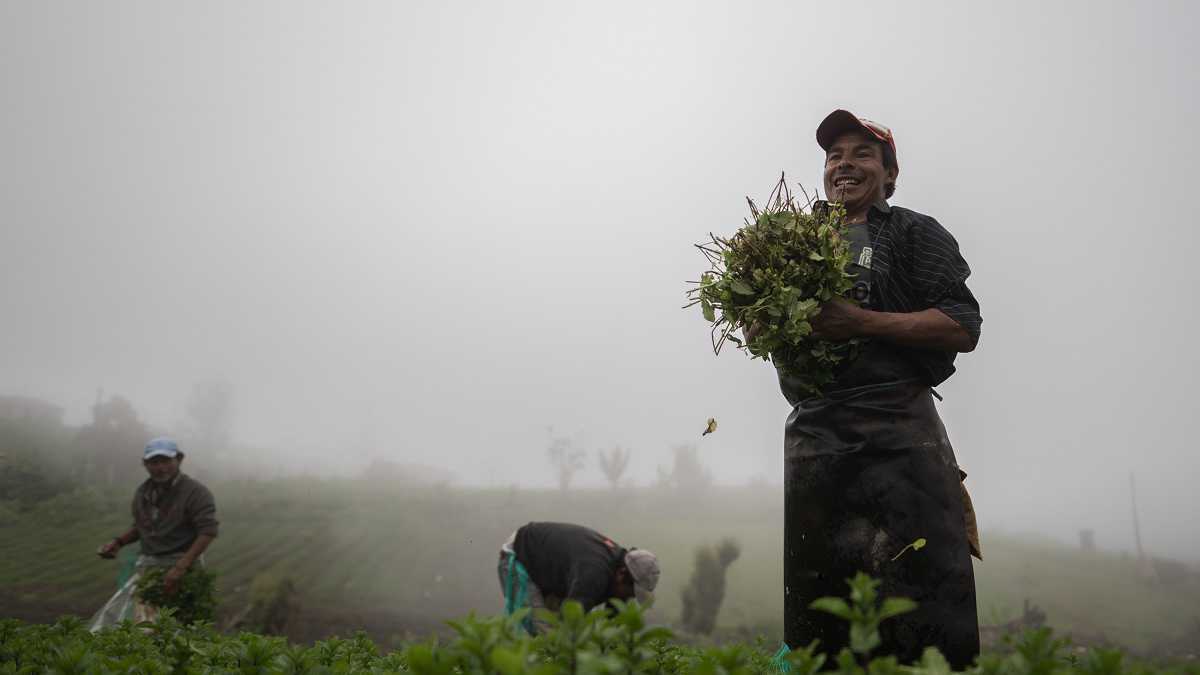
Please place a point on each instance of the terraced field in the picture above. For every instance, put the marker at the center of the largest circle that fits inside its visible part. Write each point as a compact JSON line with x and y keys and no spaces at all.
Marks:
{"x":397,"y":560}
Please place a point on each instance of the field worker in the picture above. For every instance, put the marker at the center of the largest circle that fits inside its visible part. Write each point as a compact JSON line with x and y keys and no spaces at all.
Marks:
{"x":544,"y":564}
{"x":869,"y":470}
{"x":174,"y":519}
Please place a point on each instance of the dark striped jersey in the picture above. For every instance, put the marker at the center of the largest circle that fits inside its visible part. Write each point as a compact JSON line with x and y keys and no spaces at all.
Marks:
{"x":915,"y":265}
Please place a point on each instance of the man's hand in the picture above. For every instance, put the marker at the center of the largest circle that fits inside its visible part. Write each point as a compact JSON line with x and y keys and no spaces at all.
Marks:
{"x":751,"y":331}
{"x":109,"y":550}
{"x":172,"y":577}
{"x":840,"y":320}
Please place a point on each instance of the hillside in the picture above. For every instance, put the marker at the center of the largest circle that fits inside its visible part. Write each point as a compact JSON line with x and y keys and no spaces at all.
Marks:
{"x":398,"y":560}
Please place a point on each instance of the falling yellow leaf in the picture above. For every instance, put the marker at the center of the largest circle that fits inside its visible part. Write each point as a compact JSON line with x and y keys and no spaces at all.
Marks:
{"x":712,"y":426}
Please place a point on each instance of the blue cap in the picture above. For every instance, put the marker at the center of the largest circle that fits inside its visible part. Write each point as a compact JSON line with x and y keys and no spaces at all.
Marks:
{"x":161,"y":447}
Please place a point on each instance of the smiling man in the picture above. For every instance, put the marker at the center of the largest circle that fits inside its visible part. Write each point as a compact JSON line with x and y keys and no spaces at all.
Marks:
{"x":869,"y":469}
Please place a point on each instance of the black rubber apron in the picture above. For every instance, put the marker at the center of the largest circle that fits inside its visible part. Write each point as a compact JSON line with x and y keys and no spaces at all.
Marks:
{"x":868,"y":471}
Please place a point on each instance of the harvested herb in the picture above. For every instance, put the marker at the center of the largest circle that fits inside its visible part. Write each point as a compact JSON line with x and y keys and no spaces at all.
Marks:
{"x":916,"y":546}
{"x":195,"y":598}
{"x":774,"y":274}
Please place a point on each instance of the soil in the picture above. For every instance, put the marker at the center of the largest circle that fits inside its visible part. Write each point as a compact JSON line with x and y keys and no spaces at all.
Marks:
{"x":309,"y":624}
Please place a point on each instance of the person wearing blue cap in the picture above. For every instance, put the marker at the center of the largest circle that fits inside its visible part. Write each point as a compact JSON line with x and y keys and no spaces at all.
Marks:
{"x":174,"y":519}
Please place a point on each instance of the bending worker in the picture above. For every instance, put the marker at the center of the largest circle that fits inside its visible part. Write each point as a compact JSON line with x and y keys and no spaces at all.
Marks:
{"x":544,"y":564}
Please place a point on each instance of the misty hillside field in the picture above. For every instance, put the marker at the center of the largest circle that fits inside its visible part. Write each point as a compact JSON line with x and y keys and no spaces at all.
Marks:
{"x":397,"y":560}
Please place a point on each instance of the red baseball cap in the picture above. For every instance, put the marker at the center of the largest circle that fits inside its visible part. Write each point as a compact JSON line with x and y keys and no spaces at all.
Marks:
{"x":839,"y":122}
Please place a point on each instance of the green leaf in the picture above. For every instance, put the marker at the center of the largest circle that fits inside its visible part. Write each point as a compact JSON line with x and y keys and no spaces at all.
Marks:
{"x":740,"y":287}
{"x":896,"y":607}
{"x":420,"y":658}
{"x":707,"y":308}
{"x":933,"y":663}
{"x":656,"y":633}
{"x":816,"y":256}
{"x":572,"y":611}
{"x":508,"y":661}
{"x":916,"y":546}
{"x":863,"y":638}
{"x":834,"y":606}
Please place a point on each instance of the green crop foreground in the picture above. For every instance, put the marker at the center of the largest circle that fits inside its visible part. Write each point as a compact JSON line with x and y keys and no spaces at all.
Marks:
{"x":578,"y":643}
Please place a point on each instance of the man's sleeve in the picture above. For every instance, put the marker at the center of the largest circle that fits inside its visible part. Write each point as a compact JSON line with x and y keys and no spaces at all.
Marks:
{"x":939,"y":275}
{"x":203,"y":511}
{"x":589,"y":585}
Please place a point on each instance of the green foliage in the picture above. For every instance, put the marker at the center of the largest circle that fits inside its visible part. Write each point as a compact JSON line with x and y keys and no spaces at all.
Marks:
{"x":576,"y":643}
{"x":706,"y":589}
{"x":273,"y":603}
{"x":773,"y":275}
{"x":34,"y":464}
{"x":864,"y":612}
{"x":195,"y":598}
{"x":352,"y":525}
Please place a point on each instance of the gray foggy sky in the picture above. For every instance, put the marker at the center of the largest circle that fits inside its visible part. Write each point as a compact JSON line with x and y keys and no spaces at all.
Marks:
{"x":427,"y":231}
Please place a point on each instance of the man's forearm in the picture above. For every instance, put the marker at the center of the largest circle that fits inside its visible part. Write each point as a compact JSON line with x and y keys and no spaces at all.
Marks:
{"x":928,"y":329}
{"x":196,"y":549}
{"x":127,"y":537}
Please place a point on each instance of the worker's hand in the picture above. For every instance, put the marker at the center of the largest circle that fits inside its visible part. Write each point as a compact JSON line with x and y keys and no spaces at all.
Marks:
{"x":172,"y":577}
{"x":109,"y":550}
{"x":750,"y":332}
{"x":840,"y":320}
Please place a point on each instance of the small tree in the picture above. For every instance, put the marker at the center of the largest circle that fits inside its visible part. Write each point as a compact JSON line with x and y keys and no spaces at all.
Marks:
{"x":688,"y":473}
{"x":613,"y":464}
{"x":565,"y":460}
{"x":210,"y":409}
{"x":705,"y":591}
{"x":112,"y":443}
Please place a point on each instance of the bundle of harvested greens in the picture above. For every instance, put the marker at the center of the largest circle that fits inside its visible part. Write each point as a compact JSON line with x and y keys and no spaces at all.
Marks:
{"x":194,"y":600}
{"x":773,"y":274}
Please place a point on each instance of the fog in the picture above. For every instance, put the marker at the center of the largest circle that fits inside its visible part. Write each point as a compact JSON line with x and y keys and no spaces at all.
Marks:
{"x":440,"y":233}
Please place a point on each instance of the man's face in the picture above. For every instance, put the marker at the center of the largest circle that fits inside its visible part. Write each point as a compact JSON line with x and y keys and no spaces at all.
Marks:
{"x":854,"y":172}
{"x":161,"y":469}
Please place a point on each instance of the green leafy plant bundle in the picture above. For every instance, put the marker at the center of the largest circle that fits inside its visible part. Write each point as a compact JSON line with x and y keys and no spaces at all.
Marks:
{"x":195,"y":599}
{"x":772,"y":277}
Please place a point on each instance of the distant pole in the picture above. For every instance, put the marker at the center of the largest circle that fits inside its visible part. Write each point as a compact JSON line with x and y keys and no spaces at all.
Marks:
{"x":1137,"y":533}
